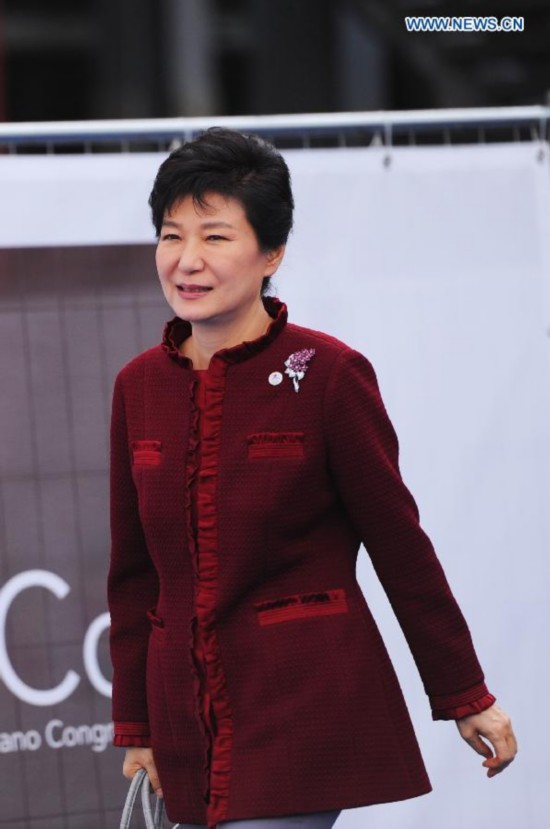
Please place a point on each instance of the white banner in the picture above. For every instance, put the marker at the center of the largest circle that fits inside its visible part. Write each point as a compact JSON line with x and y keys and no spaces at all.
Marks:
{"x":434,"y":262}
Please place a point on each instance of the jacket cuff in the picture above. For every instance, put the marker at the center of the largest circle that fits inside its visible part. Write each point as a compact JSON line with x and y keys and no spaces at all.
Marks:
{"x":128,"y":734}
{"x":454,"y":706}
{"x":122,"y":741}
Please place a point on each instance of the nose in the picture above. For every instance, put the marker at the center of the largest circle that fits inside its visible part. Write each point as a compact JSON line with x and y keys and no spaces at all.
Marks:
{"x":190,"y":260}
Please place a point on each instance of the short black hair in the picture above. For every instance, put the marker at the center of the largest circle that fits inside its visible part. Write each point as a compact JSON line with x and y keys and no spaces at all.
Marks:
{"x":234,"y":165}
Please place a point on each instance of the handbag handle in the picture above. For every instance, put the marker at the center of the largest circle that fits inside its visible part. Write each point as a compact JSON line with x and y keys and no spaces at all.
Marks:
{"x":140,"y":783}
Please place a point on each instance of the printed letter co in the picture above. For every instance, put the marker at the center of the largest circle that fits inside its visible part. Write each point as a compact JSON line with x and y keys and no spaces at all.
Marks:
{"x":51,"y":696}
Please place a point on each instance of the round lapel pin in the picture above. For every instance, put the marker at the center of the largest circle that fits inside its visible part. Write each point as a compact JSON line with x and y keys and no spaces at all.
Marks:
{"x":275,"y":378}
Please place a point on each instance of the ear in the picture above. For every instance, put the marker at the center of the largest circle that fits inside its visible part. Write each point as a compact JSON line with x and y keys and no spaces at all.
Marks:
{"x":273,"y":259}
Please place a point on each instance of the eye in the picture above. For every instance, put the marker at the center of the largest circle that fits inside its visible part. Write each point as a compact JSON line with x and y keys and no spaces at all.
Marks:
{"x":215,"y":237}
{"x":169,"y":237}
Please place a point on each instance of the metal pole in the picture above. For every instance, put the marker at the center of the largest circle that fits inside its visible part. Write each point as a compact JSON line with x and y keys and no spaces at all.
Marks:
{"x":155,"y":129}
{"x":189,"y":68}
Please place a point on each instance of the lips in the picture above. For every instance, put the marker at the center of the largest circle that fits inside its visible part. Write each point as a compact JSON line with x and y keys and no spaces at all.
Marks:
{"x":193,"y":289}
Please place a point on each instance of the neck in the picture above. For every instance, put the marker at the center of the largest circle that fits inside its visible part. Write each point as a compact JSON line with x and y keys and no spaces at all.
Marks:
{"x":209,"y":337}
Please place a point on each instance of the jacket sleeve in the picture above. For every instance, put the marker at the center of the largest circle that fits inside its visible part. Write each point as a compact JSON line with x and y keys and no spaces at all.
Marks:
{"x":132,"y":588}
{"x":363,"y":458}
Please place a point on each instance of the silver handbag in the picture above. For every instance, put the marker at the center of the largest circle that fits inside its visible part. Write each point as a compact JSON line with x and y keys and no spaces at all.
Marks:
{"x":140,"y":785}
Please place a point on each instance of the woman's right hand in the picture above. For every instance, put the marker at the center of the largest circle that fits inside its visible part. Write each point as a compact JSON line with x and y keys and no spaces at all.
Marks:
{"x":142,"y":758}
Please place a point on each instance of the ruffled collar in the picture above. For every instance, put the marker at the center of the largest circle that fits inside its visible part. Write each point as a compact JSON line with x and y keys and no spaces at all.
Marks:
{"x":177,"y":330}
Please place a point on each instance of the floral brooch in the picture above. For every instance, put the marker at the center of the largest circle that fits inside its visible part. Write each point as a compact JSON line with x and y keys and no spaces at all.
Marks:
{"x":297,"y":365}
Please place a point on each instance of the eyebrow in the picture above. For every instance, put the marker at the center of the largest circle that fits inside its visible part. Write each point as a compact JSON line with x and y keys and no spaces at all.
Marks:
{"x":206,"y":225}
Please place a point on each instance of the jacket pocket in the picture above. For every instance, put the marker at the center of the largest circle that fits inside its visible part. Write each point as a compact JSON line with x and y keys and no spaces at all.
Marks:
{"x":301,"y":606}
{"x":275,"y":445}
{"x":146,"y":452}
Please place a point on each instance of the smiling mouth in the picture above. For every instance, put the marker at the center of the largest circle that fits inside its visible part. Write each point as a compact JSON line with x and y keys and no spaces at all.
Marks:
{"x":193,"y":289}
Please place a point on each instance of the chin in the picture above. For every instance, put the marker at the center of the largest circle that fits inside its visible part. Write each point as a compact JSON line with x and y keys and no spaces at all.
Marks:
{"x":186,"y":311}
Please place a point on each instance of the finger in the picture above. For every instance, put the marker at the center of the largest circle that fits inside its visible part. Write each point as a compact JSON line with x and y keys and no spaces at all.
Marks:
{"x":479,"y":745}
{"x":512,"y":742}
{"x":503,"y":748}
{"x":472,"y":736}
{"x":154,"y":780}
{"x":497,"y":766}
{"x":130,"y":769}
{"x":503,"y":757}
{"x":511,"y":748}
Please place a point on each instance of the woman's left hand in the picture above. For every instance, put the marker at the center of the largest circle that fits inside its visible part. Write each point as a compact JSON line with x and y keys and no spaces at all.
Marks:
{"x":495,"y":725}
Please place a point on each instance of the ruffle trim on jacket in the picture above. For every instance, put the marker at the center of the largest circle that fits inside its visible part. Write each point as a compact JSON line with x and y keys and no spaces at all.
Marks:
{"x":212,"y":700}
{"x":221,"y":721}
{"x":471,"y":701}
{"x":195,"y":649}
{"x":131,"y":734}
{"x":122,"y":741}
{"x":177,"y":330}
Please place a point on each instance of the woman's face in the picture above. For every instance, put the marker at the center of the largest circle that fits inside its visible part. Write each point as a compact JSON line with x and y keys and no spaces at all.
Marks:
{"x":209,"y":262}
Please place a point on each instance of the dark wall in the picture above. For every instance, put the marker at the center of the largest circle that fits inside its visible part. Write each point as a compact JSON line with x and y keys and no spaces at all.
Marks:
{"x":122,"y":58}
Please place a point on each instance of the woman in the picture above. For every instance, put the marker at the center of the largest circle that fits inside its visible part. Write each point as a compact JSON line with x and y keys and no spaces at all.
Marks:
{"x":250,"y":457}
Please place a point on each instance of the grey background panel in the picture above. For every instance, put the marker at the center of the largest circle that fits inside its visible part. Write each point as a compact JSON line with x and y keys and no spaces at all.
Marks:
{"x":69,"y":320}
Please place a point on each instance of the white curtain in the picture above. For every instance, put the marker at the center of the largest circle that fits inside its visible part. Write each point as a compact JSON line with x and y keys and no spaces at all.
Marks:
{"x":434,"y":262}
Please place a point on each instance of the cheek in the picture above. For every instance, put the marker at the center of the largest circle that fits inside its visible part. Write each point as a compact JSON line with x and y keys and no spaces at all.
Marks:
{"x":245,"y":263}
{"x":163,"y":265}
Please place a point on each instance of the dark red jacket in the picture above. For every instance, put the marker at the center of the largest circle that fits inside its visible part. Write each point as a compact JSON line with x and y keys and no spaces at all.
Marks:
{"x":243,"y":648}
